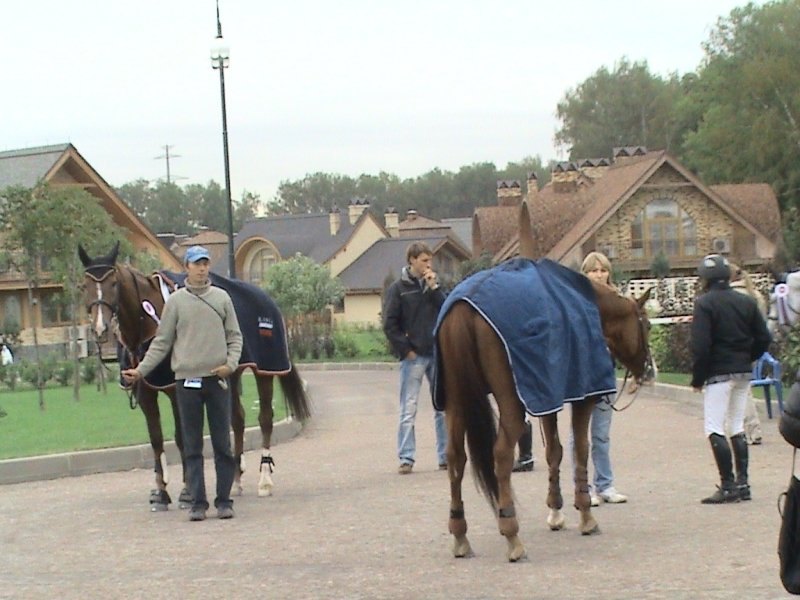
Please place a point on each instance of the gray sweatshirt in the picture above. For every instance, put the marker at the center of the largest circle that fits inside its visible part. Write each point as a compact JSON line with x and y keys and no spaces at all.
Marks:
{"x":200,"y":326}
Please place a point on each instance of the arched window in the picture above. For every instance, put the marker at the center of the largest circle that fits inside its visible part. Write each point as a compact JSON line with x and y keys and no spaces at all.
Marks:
{"x":663,"y":227}
{"x":262,"y":260}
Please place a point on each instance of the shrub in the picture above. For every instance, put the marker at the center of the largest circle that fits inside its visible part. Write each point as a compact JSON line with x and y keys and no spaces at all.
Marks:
{"x":786,"y":348}
{"x":345,"y":344}
{"x":89,"y":370}
{"x":63,"y":372}
{"x":670,"y":347}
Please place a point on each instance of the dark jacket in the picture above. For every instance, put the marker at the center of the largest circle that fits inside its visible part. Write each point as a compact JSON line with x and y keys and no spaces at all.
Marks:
{"x":409,"y":315}
{"x":728,"y":333}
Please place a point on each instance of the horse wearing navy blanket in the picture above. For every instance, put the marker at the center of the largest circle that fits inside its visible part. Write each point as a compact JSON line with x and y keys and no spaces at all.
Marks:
{"x":121,"y":297}
{"x":534,"y":335}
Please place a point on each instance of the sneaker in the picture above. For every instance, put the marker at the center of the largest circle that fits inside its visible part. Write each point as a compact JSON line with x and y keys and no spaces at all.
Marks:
{"x":443,"y":466}
{"x":595,"y":499}
{"x":197,"y":514}
{"x":744,"y":493}
{"x":225,"y":512}
{"x":405,"y":468}
{"x":612,"y":496}
{"x":521,"y":466}
{"x":756,"y":441}
{"x":722,"y":496}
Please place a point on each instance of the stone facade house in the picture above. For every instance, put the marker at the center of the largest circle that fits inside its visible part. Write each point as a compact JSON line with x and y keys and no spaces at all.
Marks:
{"x":633,"y":207}
{"x":62,"y":166}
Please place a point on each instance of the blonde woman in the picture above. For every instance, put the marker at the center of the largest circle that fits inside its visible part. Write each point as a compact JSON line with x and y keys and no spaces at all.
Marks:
{"x":743,"y":283}
{"x":597,"y":267}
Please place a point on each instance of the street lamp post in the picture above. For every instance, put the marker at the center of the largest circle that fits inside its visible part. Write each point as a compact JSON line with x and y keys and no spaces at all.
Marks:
{"x":220,"y":58}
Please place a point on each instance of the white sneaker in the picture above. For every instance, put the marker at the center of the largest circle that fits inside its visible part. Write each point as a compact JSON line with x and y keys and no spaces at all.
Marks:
{"x":595,"y":499}
{"x":612,"y":496}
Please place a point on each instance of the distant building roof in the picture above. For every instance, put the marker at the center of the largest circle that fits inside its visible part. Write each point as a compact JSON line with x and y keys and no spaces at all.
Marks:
{"x":28,"y":166}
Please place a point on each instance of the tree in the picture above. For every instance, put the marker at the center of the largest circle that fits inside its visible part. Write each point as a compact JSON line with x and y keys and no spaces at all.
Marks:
{"x":301,"y":286}
{"x":627,"y":106}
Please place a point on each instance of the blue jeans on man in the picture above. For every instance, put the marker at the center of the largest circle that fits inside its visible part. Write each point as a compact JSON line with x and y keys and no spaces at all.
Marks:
{"x":411,"y":373}
{"x":217,"y":403}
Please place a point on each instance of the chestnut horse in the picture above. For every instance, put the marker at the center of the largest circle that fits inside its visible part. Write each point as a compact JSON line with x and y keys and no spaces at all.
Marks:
{"x":122,"y":299}
{"x":474,"y":362}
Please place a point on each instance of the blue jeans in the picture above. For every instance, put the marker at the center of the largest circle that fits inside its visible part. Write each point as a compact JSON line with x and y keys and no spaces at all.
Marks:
{"x":600,"y":443}
{"x":411,"y":374}
{"x":217,"y":403}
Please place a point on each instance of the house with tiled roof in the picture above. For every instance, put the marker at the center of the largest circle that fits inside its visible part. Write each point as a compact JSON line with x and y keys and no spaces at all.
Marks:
{"x":62,"y":165}
{"x":357,"y":247}
{"x":633,"y":207}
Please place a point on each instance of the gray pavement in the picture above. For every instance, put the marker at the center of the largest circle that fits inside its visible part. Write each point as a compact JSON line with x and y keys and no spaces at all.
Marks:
{"x":343,"y":524}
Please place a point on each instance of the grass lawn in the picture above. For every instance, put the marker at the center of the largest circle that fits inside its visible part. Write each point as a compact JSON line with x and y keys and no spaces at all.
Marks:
{"x":97,"y":421}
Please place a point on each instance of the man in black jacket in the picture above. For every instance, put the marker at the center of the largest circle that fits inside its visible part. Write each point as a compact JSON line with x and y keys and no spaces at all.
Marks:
{"x":409,"y":315}
{"x":728,"y":334}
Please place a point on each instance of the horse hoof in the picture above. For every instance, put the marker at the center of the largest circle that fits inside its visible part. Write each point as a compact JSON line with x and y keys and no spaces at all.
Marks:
{"x":462,"y":549}
{"x":517,"y":555}
{"x":556,"y":521}
{"x":237,"y":490}
{"x":264,"y":491}
{"x":591,"y":530}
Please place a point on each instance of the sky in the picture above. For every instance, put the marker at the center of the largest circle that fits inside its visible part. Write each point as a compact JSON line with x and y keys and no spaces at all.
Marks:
{"x":346,"y":86}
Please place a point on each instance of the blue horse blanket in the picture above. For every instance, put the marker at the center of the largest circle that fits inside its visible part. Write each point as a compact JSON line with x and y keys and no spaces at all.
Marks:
{"x":264,"y":340}
{"x":547,"y":318}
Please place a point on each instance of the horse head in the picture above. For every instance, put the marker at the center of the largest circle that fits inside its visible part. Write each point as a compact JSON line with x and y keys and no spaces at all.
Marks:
{"x":101,"y":290}
{"x":626,"y":328}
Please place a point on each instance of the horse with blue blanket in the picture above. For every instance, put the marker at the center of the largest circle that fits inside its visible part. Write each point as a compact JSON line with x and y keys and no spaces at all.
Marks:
{"x":121,"y":299}
{"x":534,"y":335}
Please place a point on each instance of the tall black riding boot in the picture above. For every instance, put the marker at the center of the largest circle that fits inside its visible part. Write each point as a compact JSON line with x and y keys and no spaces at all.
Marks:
{"x":726,"y":492}
{"x":740,"y":458}
{"x":525,"y":460}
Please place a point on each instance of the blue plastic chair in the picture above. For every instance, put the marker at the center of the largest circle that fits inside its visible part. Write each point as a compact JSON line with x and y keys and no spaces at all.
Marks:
{"x":766,"y":373}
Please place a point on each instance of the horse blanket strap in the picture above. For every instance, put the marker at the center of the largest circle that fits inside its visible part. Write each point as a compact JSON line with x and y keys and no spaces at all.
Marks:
{"x":547,"y":318}
{"x":456,"y":513}
{"x":507,"y":513}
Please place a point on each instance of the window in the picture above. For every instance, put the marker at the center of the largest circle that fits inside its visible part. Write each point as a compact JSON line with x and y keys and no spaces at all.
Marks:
{"x":262,"y":260}
{"x":663,"y":227}
{"x":54,"y":310}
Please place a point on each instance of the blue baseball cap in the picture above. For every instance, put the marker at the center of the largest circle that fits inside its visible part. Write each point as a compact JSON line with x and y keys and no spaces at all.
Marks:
{"x":196,"y":253}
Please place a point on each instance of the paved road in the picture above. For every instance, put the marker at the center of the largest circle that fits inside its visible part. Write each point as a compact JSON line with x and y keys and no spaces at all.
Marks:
{"x":343,"y":524}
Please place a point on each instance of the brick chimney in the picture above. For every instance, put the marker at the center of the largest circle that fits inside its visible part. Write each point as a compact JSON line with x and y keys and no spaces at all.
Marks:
{"x":594,"y":168}
{"x":533,"y":187}
{"x":565,"y":177}
{"x":509,"y":192}
{"x":356,"y":208}
{"x":623,"y":154}
{"x":335,"y":219}
{"x":392,"y":220}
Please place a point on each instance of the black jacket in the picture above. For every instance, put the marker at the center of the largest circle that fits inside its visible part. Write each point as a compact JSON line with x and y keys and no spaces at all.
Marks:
{"x":409,"y":315}
{"x":728,"y":333}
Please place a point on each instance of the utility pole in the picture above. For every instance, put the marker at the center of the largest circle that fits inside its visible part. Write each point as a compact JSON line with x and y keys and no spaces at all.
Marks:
{"x":167,"y":156}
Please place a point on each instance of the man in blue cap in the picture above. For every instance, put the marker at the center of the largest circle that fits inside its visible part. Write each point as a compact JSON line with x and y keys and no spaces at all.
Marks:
{"x":200,"y":326}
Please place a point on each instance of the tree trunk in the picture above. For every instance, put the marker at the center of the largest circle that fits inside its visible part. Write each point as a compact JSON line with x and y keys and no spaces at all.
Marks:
{"x":32,"y":302}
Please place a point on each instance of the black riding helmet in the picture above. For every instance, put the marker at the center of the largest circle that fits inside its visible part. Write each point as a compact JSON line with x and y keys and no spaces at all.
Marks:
{"x":713,"y":267}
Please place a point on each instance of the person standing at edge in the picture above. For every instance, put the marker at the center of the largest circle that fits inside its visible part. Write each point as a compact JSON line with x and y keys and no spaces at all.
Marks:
{"x":728,"y":334}
{"x":200,"y":326}
{"x":409,"y":315}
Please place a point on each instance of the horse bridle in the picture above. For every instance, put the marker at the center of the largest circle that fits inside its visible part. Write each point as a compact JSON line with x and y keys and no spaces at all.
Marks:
{"x":648,"y":360}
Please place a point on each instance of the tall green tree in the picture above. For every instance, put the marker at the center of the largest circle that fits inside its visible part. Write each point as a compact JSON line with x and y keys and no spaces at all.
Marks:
{"x":624,"y":106}
{"x":301,"y":286}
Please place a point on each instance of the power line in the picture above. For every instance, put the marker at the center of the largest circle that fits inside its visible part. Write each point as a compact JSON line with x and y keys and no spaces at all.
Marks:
{"x":168,"y":156}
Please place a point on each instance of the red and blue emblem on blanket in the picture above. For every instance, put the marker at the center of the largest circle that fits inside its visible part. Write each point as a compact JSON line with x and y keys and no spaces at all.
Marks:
{"x":547,"y":318}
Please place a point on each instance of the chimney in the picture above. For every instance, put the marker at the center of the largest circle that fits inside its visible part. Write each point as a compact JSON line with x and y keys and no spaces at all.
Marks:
{"x":335,"y":218}
{"x":565,"y":177}
{"x":594,"y":168}
{"x":624,"y":154}
{"x":356,"y":208}
{"x":411,"y":214}
{"x":533,"y":187}
{"x":509,"y":193}
{"x":392,"y":220}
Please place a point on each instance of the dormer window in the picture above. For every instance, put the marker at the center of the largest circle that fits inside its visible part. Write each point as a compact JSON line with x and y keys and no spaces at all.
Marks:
{"x":663,"y":227}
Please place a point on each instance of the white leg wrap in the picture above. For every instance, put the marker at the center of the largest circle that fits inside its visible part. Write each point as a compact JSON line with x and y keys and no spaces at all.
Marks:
{"x":164,"y":470}
{"x":265,"y":483}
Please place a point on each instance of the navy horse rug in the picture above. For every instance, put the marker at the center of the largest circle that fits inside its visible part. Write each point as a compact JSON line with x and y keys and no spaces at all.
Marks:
{"x":265,"y":346}
{"x":547,"y":318}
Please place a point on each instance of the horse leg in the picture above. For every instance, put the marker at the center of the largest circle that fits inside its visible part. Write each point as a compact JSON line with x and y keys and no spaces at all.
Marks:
{"x":265,"y":417}
{"x":510,"y":429}
{"x":148,"y":402}
{"x":456,"y":462}
{"x":554,"y":452}
{"x":185,"y":498}
{"x":237,"y":423}
{"x":581,"y":414}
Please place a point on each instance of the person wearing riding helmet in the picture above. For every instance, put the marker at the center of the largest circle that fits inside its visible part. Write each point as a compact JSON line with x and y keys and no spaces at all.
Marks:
{"x":728,"y":334}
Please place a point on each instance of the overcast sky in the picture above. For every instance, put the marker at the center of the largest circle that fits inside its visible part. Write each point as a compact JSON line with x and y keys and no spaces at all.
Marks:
{"x":339,"y":86}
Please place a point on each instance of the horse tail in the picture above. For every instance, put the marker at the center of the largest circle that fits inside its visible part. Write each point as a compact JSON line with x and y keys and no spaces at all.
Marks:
{"x":469,"y":401}
{"x":294,"y":391}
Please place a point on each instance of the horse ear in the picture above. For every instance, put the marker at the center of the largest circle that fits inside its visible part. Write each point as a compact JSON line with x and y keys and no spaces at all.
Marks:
{"x":644,"y":297}
{"x":112,"y":259}
{"x":525,"y":233}
{"x":85,"y":260}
